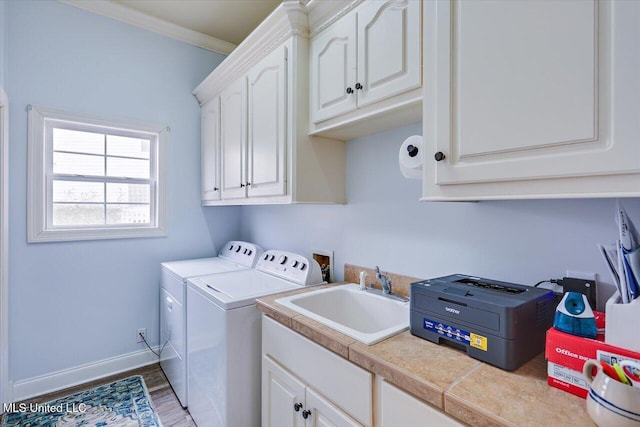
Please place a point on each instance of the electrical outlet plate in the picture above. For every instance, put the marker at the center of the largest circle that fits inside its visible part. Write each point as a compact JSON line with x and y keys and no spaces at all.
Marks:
{"x":582,"y":282}
{"x":143,"y":332}
{"x":325,"y":259}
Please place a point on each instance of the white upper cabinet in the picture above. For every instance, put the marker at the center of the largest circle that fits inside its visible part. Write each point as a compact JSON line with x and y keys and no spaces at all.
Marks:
{"x":333,"y":70}
{"x":265,"y":153}
{"x":233,"y":137}
{"x":267,"y":132}
{"x":210,"y":128}
{"x":389,"y":49}
{"x":366,"y":69}
{"x":527,"y":99}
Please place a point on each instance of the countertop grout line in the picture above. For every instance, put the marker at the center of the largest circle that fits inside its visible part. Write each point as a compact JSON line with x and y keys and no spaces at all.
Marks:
{"x":377,"y":360}
{"x":463,"y":377}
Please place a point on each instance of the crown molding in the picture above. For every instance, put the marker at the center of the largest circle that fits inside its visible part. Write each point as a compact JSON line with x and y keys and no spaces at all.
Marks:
{"x":323,"y":13}
{"x":151,"y":23}
{"x":287,"y":20}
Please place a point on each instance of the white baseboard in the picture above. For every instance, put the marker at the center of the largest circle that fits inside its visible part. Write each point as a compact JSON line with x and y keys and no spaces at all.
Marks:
{"x":70,"y":377}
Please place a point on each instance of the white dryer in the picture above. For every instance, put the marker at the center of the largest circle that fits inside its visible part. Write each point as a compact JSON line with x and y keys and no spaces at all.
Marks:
{"x":234,"y":256}
{"x":224,"y":335}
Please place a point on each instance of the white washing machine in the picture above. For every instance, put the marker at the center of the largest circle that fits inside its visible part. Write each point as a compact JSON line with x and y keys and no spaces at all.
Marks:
{"x":234,"y":256}
{"x":224,"y":335}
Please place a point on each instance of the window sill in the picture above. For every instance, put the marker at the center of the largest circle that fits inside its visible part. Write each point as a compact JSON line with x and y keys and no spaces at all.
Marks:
{"x":95,"y":234}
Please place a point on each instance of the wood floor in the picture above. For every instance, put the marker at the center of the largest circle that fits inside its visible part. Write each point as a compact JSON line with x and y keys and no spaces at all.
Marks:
{"x":163,"y":398}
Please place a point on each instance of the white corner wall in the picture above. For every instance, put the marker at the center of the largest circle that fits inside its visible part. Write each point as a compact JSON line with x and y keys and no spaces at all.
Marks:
{"x":75,"y":307}
{"x":384,"y":224}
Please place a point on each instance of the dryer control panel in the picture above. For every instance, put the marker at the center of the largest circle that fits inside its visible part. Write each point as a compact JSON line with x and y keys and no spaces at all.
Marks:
{"x":290,"y":266}
{"x":243,"y":253}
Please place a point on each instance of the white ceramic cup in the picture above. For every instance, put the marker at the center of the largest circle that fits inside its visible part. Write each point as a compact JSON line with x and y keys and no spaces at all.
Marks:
{"x":610,"y":403}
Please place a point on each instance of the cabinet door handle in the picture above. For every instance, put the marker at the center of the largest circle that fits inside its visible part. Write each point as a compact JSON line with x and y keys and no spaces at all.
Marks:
{"x":358,"y":86}
{"x":306,"y":413}
{"x":439,"y":156}
{"x":248,"y":184}
{"x":215,"y":189}
{"x":241,"y":185}
{"x":297,"y":407}
{"x":349,"y":90}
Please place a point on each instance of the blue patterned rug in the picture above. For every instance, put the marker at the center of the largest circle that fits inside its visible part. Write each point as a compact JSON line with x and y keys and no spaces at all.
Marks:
{"x":122,"y":403}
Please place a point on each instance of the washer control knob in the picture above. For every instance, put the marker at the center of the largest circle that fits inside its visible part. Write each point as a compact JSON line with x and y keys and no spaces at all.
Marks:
{"x":238,"y":248}
{"x":265,"y":257}
{"x":295,"y":264}
{"x":272,"y":257}
{"x":282,"y":259}
{"x":303,"y":266}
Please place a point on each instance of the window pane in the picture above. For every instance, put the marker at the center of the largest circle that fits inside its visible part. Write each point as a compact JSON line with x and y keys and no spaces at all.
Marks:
{"x":128,"y":193}
{"x":78,"y":164}
{"x":128,"y":168}
{"x":128,"y":147}
{"x":128,"y":214}
{"x":77,"y":214}
{"x":73,"y":191}
{"x":77,"y":141}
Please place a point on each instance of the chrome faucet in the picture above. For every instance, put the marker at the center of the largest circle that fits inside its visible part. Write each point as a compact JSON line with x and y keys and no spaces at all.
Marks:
{"x":384,"y":280}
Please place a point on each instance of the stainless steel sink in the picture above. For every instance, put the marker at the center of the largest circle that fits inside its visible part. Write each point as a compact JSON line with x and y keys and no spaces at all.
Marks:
{"x":362,"y":315}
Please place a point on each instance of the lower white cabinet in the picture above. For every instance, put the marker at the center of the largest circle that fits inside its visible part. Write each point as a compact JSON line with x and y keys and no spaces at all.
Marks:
{"x":282,"y":396}
{"x":395,"y":408}
{"x":304,"y":384}
{"x":288,"y":402}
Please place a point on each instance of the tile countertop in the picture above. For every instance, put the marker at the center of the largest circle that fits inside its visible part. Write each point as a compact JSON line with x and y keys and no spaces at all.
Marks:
{"x":469,"y":390}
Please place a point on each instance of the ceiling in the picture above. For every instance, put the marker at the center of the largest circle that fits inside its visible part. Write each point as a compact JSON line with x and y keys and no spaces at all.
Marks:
{"x":227,"y":20}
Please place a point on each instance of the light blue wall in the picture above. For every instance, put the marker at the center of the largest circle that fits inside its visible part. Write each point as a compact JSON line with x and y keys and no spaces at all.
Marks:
{"x":385,"y":224}
{"x":3,"y":41}
{"x":80,"y":302}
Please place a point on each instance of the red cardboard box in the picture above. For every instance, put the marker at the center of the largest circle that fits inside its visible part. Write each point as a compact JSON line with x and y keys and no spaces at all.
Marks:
{"x":567,"y":353}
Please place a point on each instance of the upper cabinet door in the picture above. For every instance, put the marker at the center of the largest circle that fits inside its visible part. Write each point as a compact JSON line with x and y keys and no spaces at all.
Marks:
{"x":389,"y":49}
{"x":233,"y":135}
{"x":527,"y":90}
{"x":210,"y":140}
{"x":267,"y":131}
{"x":333,"y":70}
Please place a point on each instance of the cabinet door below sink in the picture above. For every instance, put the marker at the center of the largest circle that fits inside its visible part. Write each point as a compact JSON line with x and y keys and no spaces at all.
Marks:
{"x":396,"y":408}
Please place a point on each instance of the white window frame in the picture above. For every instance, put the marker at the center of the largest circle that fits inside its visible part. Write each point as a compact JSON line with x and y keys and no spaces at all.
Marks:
{"x":39,"y":212}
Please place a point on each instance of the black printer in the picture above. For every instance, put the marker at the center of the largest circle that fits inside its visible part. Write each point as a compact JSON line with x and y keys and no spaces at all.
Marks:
{"x":500,"y":323}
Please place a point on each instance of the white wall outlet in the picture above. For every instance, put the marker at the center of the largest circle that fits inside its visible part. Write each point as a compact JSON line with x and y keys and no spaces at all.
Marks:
{"x":142,"y":332}
{"x":325,"y":259}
